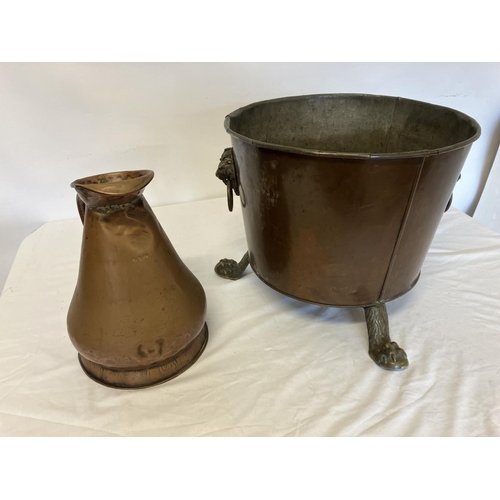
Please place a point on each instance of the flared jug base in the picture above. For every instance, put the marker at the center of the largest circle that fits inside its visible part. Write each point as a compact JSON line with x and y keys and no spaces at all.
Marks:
{"x":147,"y":377}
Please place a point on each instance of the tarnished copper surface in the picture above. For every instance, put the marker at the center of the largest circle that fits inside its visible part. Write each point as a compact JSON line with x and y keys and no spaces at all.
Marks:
{"x":341,"y":196}
{"x":342,"y":193}
{"x":137,"y":317}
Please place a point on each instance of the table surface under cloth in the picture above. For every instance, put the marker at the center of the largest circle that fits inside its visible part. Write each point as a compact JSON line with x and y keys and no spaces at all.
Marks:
{"x":273,"y":366}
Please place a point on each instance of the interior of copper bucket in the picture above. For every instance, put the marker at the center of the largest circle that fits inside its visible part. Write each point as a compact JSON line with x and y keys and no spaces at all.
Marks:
{"x":353,"y":124}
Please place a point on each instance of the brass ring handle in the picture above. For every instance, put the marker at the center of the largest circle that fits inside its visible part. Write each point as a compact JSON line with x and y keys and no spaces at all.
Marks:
{"x":226,"y":172}
{"x":229,"y":196}
{"x":450,"y":201}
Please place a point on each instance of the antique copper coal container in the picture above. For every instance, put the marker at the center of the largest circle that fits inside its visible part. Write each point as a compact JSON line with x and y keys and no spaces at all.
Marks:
{"x":341,"y":196}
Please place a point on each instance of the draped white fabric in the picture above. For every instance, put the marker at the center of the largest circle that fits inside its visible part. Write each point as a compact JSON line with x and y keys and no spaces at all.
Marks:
{"x":273,"y":366}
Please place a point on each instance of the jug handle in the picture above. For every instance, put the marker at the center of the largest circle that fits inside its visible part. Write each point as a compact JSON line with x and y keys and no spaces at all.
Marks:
{"x":81,"y":208}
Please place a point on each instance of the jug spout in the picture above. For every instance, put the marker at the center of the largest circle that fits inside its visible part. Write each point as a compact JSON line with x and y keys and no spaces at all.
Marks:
{"x":115,"y":188}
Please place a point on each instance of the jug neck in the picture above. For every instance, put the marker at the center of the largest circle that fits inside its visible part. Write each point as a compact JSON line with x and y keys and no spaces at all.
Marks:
{"x":114,"y":189}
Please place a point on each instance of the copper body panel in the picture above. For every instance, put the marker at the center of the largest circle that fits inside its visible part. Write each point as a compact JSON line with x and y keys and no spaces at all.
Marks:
{"x":340,"y":208}
{"x":137,"y":317}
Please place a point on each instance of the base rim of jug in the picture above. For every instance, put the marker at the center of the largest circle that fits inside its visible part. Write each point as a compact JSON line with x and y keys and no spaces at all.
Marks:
{"x":147,"y":377}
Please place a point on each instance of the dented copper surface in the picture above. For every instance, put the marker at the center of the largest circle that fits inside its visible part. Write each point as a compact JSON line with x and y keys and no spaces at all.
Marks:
{"x":137,"y":317}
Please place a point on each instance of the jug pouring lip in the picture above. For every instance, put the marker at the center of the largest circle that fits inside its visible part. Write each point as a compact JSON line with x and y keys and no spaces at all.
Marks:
{"x":121,"y":182}
{"x":112,"y":187}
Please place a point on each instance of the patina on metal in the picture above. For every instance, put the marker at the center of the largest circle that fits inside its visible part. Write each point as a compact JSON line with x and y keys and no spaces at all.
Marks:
{"x":341,"y":196}
{"x":137,"y":317}
{"x":382,"y":350}
{"x":232,"y":270}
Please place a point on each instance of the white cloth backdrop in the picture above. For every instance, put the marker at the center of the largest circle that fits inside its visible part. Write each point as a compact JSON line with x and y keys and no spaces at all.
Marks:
{"x":488,"y":209}
{"x":273,"y":366}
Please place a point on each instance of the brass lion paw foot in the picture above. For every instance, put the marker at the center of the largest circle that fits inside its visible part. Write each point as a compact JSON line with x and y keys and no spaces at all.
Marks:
{"x":229,"y":269}
{"x":389,"y":356}
{"x":382,"y":350}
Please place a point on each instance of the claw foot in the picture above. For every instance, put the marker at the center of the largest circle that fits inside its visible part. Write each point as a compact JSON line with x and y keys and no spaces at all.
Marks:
{"x":389,"y":356}
{"x":382,"y":350}
{"x":230,"y":269}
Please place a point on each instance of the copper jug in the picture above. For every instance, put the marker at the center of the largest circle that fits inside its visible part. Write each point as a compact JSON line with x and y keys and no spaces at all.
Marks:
{"x":137,"y":317}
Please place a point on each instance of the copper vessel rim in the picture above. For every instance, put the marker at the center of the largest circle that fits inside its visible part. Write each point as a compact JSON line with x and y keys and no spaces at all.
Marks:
{"x":335,"y":154}
{"x":118,"y":182}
